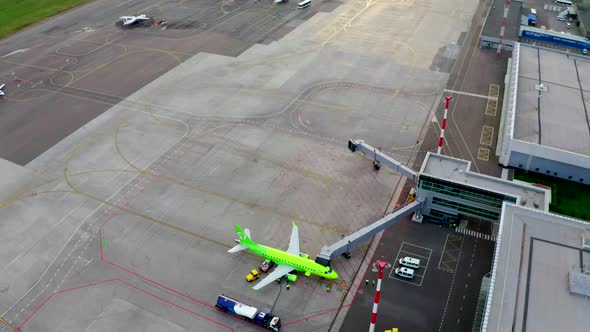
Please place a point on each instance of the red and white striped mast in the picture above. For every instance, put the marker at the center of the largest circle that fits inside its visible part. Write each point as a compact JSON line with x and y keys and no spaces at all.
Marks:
{"x":443,"y":126}
{"x":380,"y":265}
{"x":503,"y":28}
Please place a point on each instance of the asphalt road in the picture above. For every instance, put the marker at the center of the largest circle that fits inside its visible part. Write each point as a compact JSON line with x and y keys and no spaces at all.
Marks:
{"x":474,"y":71}
{"x":64,"y":72}
{"x":447,"y":296}
{"x":443,"y":294}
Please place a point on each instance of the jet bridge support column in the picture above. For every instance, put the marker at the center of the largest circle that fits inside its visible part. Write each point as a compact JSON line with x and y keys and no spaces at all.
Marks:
{"x":381,"y":158}
{"x":344,"y":245}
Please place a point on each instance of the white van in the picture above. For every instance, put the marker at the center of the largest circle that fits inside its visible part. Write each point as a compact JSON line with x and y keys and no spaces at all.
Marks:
{"x":410,"y":262}
{"x":564,"y":2}
{"x":404,"y":272}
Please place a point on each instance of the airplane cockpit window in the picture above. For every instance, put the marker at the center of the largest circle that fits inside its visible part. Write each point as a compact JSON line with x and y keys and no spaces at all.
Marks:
{"x":329,"y":271}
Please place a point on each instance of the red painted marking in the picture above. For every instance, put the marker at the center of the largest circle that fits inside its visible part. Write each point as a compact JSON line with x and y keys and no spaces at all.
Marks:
{"x":129,"y":285}
{"x":178,"y":306}
{"x":373,"y":318}
{"x":315,"y":315}
{"x":159,"y":284}
{"x":114,"y":213}
{"x":444,"y":124}
{"x":57,"y":293}
{"x":440,"y":141}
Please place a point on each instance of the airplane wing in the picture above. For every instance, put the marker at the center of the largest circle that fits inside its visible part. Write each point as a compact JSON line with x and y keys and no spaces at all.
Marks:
{"x":294,"y":243}
{"x":280,"y":271}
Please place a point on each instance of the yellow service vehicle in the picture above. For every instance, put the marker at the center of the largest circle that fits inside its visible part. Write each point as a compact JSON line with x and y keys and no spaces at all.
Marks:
{"x":253,"y":275}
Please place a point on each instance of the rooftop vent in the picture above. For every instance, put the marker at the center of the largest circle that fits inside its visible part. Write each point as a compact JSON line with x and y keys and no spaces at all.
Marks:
{"x":541,"y":87}
{"x":579,"y":283}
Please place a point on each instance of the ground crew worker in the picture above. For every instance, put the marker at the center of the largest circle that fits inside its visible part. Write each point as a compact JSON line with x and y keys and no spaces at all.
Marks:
{"x":328,"y":289}
{"x":287,"y":286}
{"x":373,"y":283}
{"x":366,"y":282}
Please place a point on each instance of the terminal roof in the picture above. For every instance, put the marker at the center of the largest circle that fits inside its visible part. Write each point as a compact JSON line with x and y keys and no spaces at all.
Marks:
{"x":529,"y":291}
{"x":553,"y":99}
{"x":458,"y":171}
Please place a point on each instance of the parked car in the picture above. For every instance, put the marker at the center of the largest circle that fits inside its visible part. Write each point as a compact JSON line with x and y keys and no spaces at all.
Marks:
{"x":405,"y":272}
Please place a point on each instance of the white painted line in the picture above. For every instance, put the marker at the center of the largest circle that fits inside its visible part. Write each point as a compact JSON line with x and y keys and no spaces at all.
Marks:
{"x":416,"y":246}
{"x":396,"y":259}
{"x":425,"y":269}
{"x":470,"y":94}
{"x":443,"y":252}
{"x":15,"y":52}
{"x":392,"y":271}
{"x":412,"y":254}
{"x":407,"y":282}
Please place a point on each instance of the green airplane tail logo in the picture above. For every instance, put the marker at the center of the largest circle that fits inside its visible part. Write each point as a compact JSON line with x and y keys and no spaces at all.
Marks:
{"x":243,"y":236}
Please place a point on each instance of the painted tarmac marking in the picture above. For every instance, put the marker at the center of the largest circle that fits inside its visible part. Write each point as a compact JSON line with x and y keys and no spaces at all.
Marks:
{"x":475,"y":234}
{"x":450,"y":261}
{"x":483,"y":154}
{"x":487,"y":135}
{"x":451,"y":287}
{"x":414,"y":254}
{"x":127,"y":284}
{"x":492,"y":104}
{"x":470,"y":94}
{"x":409,"y":251}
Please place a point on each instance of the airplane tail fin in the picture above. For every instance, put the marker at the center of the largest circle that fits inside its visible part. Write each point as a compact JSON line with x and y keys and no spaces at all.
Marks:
{"x":244,"y":239}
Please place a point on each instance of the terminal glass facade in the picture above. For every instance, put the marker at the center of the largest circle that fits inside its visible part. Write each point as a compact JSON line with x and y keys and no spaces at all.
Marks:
{"x":464,"y":199}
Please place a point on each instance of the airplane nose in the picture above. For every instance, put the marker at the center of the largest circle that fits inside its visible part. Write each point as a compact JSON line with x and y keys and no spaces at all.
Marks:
{"x":335,"y":275}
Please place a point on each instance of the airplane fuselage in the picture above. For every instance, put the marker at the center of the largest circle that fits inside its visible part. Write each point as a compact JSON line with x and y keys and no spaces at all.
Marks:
{"x":299,"y":263}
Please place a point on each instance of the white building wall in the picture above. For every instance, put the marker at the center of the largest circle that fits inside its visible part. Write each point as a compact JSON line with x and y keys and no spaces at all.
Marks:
{"x":531,"y":156}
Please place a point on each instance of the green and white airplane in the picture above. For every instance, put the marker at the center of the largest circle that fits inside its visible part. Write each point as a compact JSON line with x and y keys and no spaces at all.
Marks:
{"x":287,"y":261}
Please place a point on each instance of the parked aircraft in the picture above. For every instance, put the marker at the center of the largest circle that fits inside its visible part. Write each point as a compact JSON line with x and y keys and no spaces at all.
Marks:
{"x":287,"y":261}
{"x":128,"y":20}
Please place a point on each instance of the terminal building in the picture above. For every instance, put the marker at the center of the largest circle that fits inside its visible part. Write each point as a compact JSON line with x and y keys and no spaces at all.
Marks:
{"x":540,"y":277}
{"x":449,"y":190}
{"x":540,"y":274}
{"x":545,"y":124}
{"x":521,"y":25}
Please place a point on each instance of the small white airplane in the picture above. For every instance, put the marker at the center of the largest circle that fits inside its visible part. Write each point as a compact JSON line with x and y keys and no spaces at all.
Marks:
{"x":2,"y":92}
{"x":128,"y":20}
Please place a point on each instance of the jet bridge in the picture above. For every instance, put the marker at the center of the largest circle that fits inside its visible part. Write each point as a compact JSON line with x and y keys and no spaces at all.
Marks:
{"x":381,"y":158}
{"x":445,"y":189}
{"x":343,"y":246}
